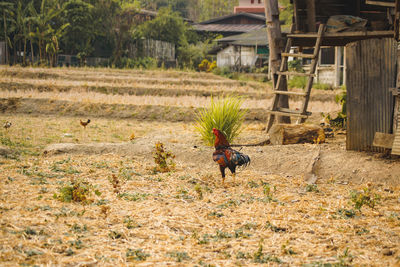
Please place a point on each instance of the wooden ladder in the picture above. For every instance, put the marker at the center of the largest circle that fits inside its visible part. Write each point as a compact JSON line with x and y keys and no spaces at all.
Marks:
{"x":301,"y":114}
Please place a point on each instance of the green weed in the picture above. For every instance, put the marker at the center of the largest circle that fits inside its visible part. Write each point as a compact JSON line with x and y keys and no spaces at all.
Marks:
{"x":77,"y":190}
{"x":365,"y":197}
{"x":136,"y":255}
{"x":224,"y":115}
{"x":163,"y":158}
{"x":179,"y":256}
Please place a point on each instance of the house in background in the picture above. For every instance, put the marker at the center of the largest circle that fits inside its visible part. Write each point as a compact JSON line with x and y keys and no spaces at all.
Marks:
{"x":231,"y":24}
{"x":250,"y":6}
{"x":243,"y":50}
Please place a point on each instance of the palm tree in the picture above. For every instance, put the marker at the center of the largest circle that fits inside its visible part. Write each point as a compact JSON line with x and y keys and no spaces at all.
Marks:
{"x":43,"y":32}
{"x":8,"y":15}
{"x":21,"y":29}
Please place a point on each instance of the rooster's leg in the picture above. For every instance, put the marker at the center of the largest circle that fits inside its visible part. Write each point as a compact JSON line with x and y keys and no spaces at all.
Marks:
{"x":222,"y":169}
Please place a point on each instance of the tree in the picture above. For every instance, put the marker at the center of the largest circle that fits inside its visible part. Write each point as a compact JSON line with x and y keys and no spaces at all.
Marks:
{"x":79,"y":36}
{"x":7,"y":11}
{"x":123,"y":23}
{"x":168,"y":26}
{"x":21,"y":30}
{"x":43,"y":32}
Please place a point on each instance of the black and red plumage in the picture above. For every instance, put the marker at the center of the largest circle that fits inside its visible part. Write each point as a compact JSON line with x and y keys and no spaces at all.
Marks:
{"x":225,"y":156}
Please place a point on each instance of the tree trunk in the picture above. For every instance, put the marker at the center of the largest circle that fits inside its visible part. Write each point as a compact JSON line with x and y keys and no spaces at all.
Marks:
{"x":276,"y":44}
{"x":24,"y":60}
{"x":5,"y":36}
{"x":285,"y":134}
{"x":31,"y":41}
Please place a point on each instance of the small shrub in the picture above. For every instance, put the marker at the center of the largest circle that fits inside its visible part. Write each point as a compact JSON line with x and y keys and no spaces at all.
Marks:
{"x":366,"y":197}
{"x":136,"y":255}
{"x":163,"y":158}
{"x":115,"y":184}
{"x":295,"y":65}
{"x":312,"y":188}
{"x":77,"y":191}
{"x":225,"y":115}
{"x":199,"y":190}
{"x":207,"y":66}
{"x":260,"y":257}
{"x":297,"y":82}
{"x":179,"y":256}
{"x":322,"y":86}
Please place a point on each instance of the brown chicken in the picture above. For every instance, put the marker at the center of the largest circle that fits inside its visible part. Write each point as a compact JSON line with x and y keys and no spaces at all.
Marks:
{"x":85,"y":123}
{"x":7,"y":125}
{"x":226,"y":157}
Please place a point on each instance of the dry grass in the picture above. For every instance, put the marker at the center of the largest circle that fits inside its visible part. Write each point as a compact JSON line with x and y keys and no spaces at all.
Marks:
{"x":131,"y":215}
{"x":183,"y":101}
{"x":184,"y":217}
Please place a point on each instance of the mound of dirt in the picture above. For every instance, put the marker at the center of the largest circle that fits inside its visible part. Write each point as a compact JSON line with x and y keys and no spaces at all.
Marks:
{"x":335,"y":163}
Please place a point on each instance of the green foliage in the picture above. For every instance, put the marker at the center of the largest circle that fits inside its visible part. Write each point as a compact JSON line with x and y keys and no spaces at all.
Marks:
{"x":163,"y":158}
{"x":225,"y":115}
{"x":295,"y":65}
{"x":79,"y":36}
{"x":207,"y":66}
{"x":322,"y":86}
{"x":224,"y":72}
{"x":136,"y":255}
{"x":77,"y":190}
{"x":297,"y":82}
{"x":341,"y":98}
{"x":312,"y":188}
{"x":142,"y":63}
{"x":365,"y":197}
{"x":179,"y":256}
{"x":168,"y":26}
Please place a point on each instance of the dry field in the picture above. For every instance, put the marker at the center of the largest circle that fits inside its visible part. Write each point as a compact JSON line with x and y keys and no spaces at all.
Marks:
{"x":126,"y":213}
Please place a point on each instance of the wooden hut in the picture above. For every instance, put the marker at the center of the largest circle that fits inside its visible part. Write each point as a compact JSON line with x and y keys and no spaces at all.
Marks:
{"x":371,"y":61}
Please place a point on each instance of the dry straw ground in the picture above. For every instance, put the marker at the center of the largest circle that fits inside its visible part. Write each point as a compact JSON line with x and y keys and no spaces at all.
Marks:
{"x":131,"y":215}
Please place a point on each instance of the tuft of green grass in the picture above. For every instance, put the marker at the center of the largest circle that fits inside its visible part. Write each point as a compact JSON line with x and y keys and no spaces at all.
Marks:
{"x":225,"y":115}
{"x":297,"y":82}
{"x":366,"y":197}
{"x":136,"y":255}
{"x":179,"y":256}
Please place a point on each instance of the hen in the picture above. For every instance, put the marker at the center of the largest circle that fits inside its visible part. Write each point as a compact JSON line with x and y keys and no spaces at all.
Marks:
{"x":225,"y":156}
{"x":85,"y":123}
{"x":7,"y":125}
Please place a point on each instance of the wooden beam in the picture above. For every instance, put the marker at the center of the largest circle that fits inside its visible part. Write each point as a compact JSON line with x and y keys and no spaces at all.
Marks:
{"x":276,"y":47}
{"x":296,"y":16}
{"x":311,"y":21}
{"x":383,"y":140}
{"x":380,"y":3}
{"x":343,"y":34}
{"x":396,"y":25}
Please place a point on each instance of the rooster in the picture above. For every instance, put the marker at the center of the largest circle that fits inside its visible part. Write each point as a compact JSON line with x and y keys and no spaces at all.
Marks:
{"x":85,"y":123}
{"x":225,"y":156}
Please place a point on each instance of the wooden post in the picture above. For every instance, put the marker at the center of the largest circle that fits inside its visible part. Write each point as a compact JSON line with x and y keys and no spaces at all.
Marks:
{"x":311,"y":21}
{"x":276,"y":44}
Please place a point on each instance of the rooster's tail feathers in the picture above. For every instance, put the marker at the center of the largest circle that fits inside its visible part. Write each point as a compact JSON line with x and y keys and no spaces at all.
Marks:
{"x":241,"y":159}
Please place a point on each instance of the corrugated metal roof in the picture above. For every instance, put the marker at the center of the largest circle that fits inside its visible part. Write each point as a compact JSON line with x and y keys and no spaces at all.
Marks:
{"x":249,"y":15}
{"x":252,"y":38}
{"x":235,"y":28}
